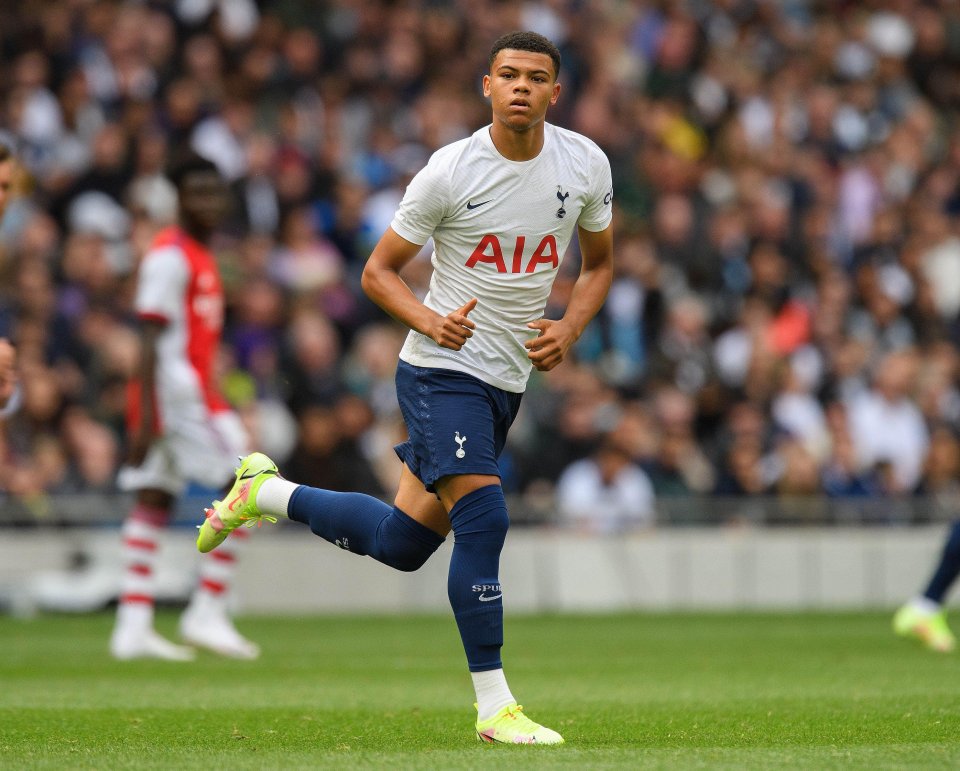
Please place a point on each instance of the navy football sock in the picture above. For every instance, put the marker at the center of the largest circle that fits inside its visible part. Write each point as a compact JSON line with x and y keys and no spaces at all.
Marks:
{"x":480,"y":523}
{"x":948,"y":569}
{"x":365,"y":525}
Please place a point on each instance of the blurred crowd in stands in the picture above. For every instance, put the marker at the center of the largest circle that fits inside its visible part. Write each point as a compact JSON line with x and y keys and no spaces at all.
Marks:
{"x":786,"y":309}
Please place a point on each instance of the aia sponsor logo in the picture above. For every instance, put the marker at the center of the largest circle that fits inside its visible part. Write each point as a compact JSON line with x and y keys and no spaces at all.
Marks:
{"x":491,"y":251}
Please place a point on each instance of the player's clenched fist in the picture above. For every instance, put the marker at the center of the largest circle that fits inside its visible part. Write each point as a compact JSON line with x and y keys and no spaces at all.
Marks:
{"x":453,"y":330}
{"x":548,"y":349}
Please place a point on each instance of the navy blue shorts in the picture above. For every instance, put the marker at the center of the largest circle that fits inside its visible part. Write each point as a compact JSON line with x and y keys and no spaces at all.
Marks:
{"x":456,"y":423}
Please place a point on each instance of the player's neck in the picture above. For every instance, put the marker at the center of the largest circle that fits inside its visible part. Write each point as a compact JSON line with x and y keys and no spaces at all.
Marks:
{"x":197,"y":232}
{"x":517,"y":145}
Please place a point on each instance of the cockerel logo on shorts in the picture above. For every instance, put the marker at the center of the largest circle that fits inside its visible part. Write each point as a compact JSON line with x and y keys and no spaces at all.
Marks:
{"x":460,"y":440}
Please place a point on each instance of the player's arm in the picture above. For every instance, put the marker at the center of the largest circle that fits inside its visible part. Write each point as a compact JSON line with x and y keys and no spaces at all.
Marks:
{"x":142,"y":433}
{"x":162,"y":281}
{"x":550,"y":347}
{"x":382,"y":283}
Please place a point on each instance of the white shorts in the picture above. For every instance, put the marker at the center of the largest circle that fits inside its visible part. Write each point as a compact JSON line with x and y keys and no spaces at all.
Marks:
{"x":201,"y":451}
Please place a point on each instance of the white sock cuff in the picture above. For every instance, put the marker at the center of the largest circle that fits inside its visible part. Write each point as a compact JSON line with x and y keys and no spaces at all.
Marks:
{"x":925,"y":605}
{"x":135,"y":615}
{"x":273,"y":497}
{"x":493,"y":693}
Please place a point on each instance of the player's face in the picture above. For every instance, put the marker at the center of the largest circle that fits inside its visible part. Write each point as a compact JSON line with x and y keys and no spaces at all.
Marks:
{"x":521,"y":85}
{"x":6,"y":183}
{"x":203,"y":199}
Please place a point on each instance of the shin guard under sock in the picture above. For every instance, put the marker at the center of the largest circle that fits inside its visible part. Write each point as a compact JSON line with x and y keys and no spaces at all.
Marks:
{"x":480,"y":523}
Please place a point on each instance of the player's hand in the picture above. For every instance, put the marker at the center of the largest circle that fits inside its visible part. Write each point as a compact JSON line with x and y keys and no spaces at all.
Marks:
{"x":550,"y":347}
{"x":454,"y":329}
{"x":8,"y":371}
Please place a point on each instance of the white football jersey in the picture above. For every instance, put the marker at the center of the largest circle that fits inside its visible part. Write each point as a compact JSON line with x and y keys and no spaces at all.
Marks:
{"x":178,"y":284}
{"x":500,"y":230}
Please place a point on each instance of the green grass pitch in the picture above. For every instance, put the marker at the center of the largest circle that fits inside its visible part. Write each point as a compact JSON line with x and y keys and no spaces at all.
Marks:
{"x":671,"y":691}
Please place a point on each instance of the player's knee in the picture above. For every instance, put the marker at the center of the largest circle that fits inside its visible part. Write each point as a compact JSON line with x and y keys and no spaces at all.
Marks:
{"x":410,"y":561}
{"x":408,"y":554}
{"x":481,"y":515}
{"x":497,"y":521}
{"x":404,"y":544}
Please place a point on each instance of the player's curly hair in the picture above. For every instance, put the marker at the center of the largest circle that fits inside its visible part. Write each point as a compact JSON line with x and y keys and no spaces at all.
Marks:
{"x":527,"y":41}
{"x":188,"y":163}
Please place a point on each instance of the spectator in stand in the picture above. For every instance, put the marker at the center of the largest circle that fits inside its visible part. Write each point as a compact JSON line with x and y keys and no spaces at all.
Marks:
{"x":679,"y":466}
{"x":8,"y":377}
{"x":790,"y":165}
{"x":605,"y":493}
{"x":886,"y":424}
{"x":313,"y":367}
{"x":330,"y":452}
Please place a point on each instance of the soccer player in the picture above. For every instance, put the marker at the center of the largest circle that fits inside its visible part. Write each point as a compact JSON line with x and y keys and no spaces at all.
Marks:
{"x":180,"y":426}
{"x":923,"y":617}
{"x":502,"y":206}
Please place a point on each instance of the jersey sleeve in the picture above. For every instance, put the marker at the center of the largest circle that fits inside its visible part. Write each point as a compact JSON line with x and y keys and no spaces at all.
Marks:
{"x":598,"y":212}
{"x":161,"y":284}
{"x":424,"y":204}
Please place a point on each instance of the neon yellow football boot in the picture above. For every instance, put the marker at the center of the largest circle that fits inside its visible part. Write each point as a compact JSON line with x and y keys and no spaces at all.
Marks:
{"x":929,"y":628}
{"x":239,"y":506}
{"x":511,"y":726}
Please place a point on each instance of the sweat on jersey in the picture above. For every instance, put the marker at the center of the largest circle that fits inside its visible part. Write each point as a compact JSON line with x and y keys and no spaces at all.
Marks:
{"x":178,"y":284}
{"x":500,"y":229}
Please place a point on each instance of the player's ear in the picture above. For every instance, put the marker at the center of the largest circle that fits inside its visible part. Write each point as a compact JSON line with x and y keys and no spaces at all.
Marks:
{"x":556,"y":93}
{"x":486,"y":85}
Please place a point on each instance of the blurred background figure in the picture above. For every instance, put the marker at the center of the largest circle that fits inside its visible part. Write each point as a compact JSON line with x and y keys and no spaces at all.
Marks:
{"x":924,"y":618}
{"x":8,"y":377}
{"x":886,"y":425}
{"x":181,"y":428}
{"x":8,"y":354}
{"x":605,"y":493}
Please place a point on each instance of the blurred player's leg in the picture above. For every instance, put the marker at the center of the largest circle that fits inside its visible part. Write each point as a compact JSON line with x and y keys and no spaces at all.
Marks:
{"x":926,"y":622}
{"x":948,"y":568}
{"x":133,"y":634}
{"x":924,"y":617}
{"x":205,"y":623}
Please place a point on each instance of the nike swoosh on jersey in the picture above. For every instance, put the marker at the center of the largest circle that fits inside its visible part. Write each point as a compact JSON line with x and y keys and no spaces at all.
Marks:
{"x":471,"y":205}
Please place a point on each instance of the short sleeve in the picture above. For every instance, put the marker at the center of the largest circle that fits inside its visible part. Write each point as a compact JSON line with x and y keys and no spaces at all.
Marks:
{"x":424,"y":204}
{"x":161,"y":284}
{"x":598,"y":212}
